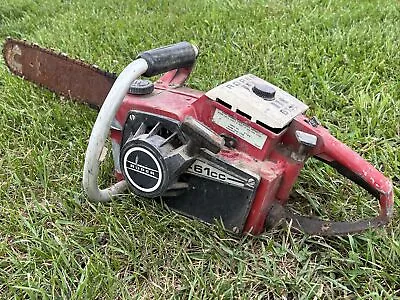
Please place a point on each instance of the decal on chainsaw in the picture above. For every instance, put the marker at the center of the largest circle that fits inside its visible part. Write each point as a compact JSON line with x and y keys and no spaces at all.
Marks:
{"x":142,"y":169}
{"x":201,"y":168}
{"x":244,"y":131}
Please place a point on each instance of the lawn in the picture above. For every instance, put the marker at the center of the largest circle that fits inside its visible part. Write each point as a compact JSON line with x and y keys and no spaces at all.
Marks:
{"x":340,"y":57}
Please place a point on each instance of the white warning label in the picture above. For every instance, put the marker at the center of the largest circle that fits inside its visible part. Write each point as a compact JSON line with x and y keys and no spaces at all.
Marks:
{"x":244,"y":131}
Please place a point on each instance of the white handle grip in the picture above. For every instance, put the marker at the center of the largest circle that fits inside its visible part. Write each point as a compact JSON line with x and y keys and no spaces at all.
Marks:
{"x":100,"y":132}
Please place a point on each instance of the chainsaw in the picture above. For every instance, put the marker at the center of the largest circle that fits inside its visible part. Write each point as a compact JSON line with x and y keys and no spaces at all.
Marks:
{"x":230,"y":155}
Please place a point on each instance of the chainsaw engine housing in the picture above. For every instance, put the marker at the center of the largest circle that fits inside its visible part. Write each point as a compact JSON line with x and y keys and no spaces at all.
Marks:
{"x":235,"y":184}
{"x":167,"y":144}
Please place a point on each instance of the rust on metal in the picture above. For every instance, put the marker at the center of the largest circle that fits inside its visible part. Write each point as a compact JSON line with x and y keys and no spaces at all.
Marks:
{"x":65,"y":76}
{"x":311,"y":225}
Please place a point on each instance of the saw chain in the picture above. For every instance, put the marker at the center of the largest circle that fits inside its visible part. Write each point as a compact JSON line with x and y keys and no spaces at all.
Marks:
{"x":55,"y":71}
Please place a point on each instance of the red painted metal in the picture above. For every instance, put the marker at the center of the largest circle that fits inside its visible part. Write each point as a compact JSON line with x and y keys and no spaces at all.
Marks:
{"x":273,"y":163}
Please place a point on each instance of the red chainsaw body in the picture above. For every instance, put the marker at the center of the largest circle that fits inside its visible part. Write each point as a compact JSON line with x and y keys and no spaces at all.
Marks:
{"x":231,"y":154}
{"x":276,"y":162}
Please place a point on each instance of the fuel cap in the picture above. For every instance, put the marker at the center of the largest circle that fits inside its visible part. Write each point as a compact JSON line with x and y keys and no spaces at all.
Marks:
{"x":264,"y":91}
{"x":141,"y":87}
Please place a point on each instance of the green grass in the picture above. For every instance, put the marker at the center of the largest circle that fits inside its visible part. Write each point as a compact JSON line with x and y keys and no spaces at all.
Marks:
{"x":340,"y":57}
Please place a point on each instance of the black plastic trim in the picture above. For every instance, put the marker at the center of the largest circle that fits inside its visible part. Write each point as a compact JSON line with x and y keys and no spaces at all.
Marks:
{"x":175,"y":56}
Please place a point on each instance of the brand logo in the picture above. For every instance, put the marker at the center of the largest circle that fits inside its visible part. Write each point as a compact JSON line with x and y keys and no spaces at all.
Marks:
{"x":145,"y":170}
{"x":142,"y":169}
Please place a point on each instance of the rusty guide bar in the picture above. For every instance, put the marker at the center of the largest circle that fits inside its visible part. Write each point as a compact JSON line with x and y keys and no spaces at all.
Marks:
{"x":71,"y":78}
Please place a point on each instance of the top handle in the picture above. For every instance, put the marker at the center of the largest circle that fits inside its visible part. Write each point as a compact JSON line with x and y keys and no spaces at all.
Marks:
{"x":176,"y":56}
{"x":148,"y":63}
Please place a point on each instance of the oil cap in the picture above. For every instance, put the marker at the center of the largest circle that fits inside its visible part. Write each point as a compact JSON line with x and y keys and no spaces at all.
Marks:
{"x":141,"y":87}
{"x":264,"y":91}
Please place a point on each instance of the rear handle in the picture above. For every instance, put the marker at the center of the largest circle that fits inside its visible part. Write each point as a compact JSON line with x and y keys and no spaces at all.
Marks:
{"x":354,"y":167}
{"x":351,"y":165}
